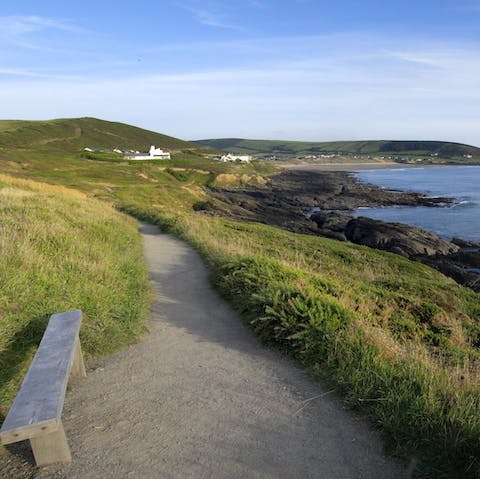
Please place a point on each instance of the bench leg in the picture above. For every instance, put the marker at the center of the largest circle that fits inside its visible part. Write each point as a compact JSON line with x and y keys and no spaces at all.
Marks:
{"x":78,"y":366}
{"x":51,"y":448}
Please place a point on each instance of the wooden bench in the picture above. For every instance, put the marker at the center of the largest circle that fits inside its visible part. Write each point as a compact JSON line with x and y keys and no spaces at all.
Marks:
{"x":36,"y":411}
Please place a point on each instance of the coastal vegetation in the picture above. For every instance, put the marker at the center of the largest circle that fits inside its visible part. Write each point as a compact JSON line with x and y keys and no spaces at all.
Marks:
{"x":61,"y":250}
{"x":353,"y":151}
{"x":70,"y":136}
{"x":397,"y":339}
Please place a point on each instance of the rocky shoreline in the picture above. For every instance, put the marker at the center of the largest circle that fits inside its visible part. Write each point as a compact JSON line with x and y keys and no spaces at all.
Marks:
{"x":288,"y":201}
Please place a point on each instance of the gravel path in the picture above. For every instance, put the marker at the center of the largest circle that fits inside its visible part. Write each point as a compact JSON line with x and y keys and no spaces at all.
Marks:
{"x":200,"y":397}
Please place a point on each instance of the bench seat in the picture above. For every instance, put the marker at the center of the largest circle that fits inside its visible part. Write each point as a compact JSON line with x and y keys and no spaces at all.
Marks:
{"x":36,"y":411}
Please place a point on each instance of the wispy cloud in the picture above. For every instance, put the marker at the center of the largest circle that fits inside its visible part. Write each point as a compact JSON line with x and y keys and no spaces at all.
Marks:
{"x":212,"y":17}
{"x":35,"y":74}
{"x":325,"y":87}
{"x":18,"y":29}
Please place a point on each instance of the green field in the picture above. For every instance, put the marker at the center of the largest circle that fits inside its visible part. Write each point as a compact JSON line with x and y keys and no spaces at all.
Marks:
{"x":61,"y":250}
{"x":398,"y":340}
{"x":71,"y":136}
{"x":444,"y":150}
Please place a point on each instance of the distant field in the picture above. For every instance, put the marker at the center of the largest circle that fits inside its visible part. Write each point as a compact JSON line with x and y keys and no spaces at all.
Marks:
{"x":70,"y":136}
{"x":364,"y":148}
{"x":10,"y":124}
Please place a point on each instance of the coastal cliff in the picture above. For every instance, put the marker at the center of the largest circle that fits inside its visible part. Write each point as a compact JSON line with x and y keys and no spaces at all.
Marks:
{"x":289,"y":201}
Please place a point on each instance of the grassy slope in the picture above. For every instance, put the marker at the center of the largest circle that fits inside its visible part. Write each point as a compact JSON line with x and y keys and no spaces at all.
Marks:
{"x":70,"y":136}
{"x":59,"y":251}
{"x":397,"y":338}
{"x":271,"y":147}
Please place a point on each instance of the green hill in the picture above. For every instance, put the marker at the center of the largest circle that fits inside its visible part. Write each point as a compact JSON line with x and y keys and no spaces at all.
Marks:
{"x":302,"y":148}
{"x":72,"y":135}
{"x":397,"y":339}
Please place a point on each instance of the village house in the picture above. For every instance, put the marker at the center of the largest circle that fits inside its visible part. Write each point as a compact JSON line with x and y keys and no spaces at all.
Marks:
{"x":153,"y":154}
{"x":232,"y":157}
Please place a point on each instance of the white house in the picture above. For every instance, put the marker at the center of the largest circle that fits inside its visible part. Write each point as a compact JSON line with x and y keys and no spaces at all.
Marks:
{"x":153,"y":154}
{"x":232,"y":157}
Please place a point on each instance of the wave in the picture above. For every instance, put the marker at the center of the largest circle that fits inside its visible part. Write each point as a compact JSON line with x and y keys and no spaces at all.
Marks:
{"x":463,"y":204}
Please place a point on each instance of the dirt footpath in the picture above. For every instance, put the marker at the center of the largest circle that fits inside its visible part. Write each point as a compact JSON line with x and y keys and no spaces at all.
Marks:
{"x":200,"y":397}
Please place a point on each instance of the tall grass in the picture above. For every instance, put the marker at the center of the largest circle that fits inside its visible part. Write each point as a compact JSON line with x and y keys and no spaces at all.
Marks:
{"x":60,"y":250}
{"x":397,"y":339}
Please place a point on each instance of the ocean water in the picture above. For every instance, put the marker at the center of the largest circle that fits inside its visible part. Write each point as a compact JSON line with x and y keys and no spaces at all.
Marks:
{"x":462,"y":219}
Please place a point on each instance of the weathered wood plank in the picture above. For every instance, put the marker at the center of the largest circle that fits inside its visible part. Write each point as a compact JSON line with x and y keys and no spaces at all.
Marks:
{"x":78,"y":366}
{"x":27,"y":432}
{"x":51,"y":448}
{"x":38,"y":406}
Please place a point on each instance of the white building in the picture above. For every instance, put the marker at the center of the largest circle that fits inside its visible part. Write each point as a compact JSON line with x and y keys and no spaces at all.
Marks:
{"x":232,"y":157}
{"x":153,"y":154}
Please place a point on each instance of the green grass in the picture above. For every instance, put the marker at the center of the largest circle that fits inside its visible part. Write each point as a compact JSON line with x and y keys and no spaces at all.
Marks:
{"x":396,"y":338}
{"x":103,"y":156}
{"x":364,"y":148}
{"x":415,"y":401}
{"x":59,"y":251}
{"x":71,"y":135}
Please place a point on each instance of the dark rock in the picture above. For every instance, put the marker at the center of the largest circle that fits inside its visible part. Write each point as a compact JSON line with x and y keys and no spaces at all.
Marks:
{"x":397,"y":238}
{"x":286,"y":199}
{"x":448,"y":267}
{"x":331,"y":220}
{"x":466,"y":258}
{"x":465,"y":244}
{"x":203,"y":206}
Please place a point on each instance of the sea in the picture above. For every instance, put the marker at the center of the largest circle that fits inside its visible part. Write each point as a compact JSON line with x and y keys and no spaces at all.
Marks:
{"x":462,"y":183}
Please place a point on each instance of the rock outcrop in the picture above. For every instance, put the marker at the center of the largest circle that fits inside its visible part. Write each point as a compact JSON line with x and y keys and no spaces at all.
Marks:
{"x":285,"y":200}
{"x":398,"y":238}
{"x":331,"y":224}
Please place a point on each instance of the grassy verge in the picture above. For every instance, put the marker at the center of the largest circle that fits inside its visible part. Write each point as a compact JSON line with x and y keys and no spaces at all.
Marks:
{"x":397,"y":339}
{"x":60,"y":250}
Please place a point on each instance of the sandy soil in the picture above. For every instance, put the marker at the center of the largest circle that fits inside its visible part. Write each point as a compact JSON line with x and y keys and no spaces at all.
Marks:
{"x":200,"y":397}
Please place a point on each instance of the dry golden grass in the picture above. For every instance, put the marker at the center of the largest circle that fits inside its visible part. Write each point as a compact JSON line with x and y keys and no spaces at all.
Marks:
{"x":41,"y":187}
{"x":60,"y":250}
{"x":240,"y":179}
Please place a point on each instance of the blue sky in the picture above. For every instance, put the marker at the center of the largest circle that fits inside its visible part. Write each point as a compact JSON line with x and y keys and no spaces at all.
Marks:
{"x":298,"y":69}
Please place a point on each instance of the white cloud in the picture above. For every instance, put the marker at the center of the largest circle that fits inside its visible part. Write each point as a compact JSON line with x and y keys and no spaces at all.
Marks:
{"x":337,"y":88}
{"x":18,"y":29}
{"x":21,"y":72}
